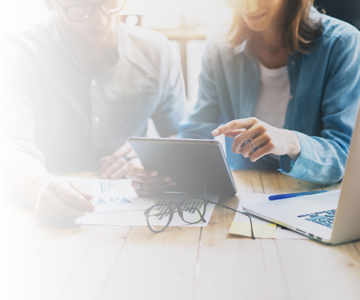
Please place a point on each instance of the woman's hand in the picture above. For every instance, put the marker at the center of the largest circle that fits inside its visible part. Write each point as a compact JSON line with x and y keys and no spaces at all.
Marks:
{"x":254,"y":139}
{"x":148,"y":182}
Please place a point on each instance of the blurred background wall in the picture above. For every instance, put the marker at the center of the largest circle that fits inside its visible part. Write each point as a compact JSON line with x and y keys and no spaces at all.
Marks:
{"x":187,"y":23}
{"x":346,"y":10}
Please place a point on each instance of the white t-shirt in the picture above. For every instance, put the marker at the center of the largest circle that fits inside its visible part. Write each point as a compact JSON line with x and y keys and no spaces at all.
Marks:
{"x":274,"y":96}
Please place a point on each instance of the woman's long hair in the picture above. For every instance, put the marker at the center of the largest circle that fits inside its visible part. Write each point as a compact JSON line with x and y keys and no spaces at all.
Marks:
{"x":299,"y":31}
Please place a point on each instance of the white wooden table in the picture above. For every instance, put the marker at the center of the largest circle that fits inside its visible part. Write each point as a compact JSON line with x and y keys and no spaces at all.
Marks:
{"x":111,"y":262}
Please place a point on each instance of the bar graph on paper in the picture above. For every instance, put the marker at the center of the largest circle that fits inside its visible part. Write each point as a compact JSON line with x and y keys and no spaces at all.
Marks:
{"x":106,"y":186}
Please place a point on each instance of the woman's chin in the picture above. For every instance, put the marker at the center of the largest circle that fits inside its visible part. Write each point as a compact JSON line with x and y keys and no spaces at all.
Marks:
{"x":258,"y":27}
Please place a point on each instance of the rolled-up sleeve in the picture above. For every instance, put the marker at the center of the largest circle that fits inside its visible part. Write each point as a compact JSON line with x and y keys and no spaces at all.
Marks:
{"x":322,"y":159}
{"x":16,"y":108}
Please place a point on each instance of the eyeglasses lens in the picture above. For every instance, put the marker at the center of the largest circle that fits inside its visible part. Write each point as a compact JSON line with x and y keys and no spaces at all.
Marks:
{"x":193,"y":210}
{"x":159,"y":217}
{"x":113,"y":6}
{"x":79,"y":12}
{"x":82,"y":12}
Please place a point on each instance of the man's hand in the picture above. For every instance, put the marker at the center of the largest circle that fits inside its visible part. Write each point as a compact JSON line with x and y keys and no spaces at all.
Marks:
{"x":147,"y":182}
{"x":60,"y":200}
{"x":254,"y":139}
{"x":117,"y":165}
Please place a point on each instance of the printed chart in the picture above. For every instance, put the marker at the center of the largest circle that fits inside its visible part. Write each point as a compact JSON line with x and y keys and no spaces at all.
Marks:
{"x":110,"y":195}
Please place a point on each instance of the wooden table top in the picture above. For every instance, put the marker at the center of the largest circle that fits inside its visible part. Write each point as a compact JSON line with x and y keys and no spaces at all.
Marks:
{"x":120,"y":262}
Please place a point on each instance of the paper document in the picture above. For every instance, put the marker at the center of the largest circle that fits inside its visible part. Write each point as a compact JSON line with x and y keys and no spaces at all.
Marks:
{"x":116,"y":203}
{"x":113,"y":195}
{"x":262,"y":228}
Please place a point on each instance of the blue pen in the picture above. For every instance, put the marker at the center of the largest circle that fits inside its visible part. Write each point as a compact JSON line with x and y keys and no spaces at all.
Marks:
{"x":292,"y":195}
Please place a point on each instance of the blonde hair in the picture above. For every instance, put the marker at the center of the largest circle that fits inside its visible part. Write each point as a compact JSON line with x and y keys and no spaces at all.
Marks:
{"x":299,"y":31}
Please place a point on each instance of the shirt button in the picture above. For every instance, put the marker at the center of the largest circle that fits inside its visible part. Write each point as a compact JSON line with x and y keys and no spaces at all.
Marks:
{"x":291,"y":97}
{"x":93,"y":82}
{"x":293,"y":62}
{"x":97,"y":119}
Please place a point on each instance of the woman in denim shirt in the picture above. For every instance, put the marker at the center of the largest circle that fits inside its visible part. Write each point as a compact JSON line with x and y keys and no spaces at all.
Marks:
{"x":322,"y":58}
{"x":286,"y":86}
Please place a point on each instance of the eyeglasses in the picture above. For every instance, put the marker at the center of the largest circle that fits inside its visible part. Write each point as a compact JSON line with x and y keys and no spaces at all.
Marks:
{"x":191,"y":210}
{"x":82,"y":12}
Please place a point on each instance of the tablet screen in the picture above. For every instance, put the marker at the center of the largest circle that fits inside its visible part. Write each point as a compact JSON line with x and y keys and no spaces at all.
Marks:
{"x":197,"y":166}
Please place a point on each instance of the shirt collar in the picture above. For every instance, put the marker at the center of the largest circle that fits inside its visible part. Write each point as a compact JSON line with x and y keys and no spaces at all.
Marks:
{"x":240,"y":48}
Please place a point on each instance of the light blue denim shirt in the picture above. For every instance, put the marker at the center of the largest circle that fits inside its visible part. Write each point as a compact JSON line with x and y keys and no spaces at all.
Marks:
{"x":324,"y":97}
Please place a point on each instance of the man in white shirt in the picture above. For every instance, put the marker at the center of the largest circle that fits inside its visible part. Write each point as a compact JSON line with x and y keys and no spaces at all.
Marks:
{"x":73,"y":91}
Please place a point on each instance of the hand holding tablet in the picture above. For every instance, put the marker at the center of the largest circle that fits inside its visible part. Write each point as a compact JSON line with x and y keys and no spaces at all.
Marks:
{"x":148,"y":182}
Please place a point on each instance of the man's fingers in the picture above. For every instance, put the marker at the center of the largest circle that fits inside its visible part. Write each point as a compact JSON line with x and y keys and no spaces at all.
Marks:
{"x":150,"y":189}
{"x":52,"y":205}
{"x":82,"y":189}
{"x":233,"y":125}
{"x":113,"y":159}
{"x":120,"y":173}
{"x":117,"y":165}
{"x":109,"y":160}
{"x":149,"y":179}
{"x":124,"y":150}
{"x":138,"y":169}
{"x":104,"y":158}
{"x":120,"y":167}
{"x":149,"y":186}
{"x":158,"y":186}
{"x":132,"y":154}
{"x":68,"y":194}
{"x":116,"y":162}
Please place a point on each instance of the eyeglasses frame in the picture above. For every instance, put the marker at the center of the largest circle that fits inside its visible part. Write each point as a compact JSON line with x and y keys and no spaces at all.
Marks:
{"x":179,"y":204}
{"x":171,"y":205}
{"x":65,"y":9}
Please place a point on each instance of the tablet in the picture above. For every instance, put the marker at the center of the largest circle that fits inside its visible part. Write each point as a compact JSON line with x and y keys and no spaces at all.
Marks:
{"x":197,"y":166}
